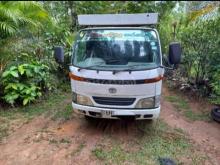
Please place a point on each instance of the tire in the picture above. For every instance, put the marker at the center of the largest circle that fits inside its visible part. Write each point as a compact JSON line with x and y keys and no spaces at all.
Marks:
{"x":215,"y":113}
{"x":89,"y":118}
{"x":92,"y":119}
{"x":144,"y":125}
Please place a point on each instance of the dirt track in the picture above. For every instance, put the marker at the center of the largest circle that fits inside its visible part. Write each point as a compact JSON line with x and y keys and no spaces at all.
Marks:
{"x":206,"y":135}
{"x":44,"y":141}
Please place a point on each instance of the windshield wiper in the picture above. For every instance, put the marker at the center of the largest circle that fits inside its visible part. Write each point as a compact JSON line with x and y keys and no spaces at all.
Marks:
{"x":124,"y":70}
{"x":116,"y":61}
{"x":89,"y":67}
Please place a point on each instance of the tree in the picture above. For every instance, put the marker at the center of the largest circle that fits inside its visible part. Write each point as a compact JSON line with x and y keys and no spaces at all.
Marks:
{"x":15,"y":19}
{"x":21,"y":14}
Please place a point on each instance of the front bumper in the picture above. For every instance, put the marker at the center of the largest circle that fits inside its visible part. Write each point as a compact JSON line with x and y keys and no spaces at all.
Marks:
{"x":114,"y":113}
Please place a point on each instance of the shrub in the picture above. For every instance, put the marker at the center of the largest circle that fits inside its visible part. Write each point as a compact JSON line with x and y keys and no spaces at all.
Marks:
{"x":215,"y":83}
{"x":25,"y":82}
{"x":200,"y":64}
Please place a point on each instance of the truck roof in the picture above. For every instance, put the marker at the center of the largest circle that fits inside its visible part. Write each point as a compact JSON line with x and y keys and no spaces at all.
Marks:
{"x":140,"y":19}
{"x":116,"y":27}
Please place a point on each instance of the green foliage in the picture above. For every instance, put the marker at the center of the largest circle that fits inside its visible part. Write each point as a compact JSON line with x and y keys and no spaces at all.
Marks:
{"x":25,"y":82}
{"x":20,"y":14}
{"x":199,"y":37}
{"x":201,"y":54}
{"x":19,"y":21}
{"x":215,"y":83}
{"x":30,"y":30}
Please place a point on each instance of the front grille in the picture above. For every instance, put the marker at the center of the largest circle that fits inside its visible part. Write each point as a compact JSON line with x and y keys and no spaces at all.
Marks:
{"x":114,"y":101}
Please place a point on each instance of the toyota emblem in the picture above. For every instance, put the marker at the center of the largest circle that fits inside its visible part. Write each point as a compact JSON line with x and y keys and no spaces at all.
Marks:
{"x":112,"y":90}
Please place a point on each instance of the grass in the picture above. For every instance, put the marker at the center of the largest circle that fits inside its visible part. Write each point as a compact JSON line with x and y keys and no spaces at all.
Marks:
{"x":159,"y":141}
{"x":35,"y":109}
{"x":79,"y":149}
{"x":172,"y":99}
{"x":182,"y":106}
{"x":48,"y":105}
{"x":115,"y":155}
{"x":67,"y":141}
{"x":179,"y":102}
{"x":4,"y":126}
{"x":53,"y":141}
{"x":100,"y":153}
{"x":51,"y":106}
{"x":4,"y":131}
{"x":197,"y":116}
{"x":65,"y":113}
{"x":63,"y":140}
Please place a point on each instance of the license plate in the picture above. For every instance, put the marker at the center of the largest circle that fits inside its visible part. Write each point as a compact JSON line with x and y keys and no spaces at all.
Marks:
{"x":107,"y":113}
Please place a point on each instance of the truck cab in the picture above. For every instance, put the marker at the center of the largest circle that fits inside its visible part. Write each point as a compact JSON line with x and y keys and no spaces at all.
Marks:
{"x":116,"y":68}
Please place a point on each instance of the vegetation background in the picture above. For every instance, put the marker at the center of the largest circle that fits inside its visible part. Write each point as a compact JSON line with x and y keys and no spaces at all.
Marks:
{"x":30,"y":30}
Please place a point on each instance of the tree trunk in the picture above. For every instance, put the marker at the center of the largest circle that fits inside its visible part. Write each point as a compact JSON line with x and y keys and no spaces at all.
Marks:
{"x":73,"y":15}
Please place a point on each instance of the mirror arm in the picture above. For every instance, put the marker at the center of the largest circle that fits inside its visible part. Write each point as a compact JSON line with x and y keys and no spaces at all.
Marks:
{"x":165,"y":67}
{"x":168,"y":63}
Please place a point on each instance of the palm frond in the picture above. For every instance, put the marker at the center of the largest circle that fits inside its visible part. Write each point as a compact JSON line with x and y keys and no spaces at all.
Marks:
{"x":9,"y":14}
{"x":7,"y":28}
{"x":29,"y":14}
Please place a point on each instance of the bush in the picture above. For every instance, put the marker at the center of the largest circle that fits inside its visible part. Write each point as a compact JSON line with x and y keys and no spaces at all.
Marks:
{"x":25,"y":82}
{"x":200,"y":64}
{"x":215,"y":83}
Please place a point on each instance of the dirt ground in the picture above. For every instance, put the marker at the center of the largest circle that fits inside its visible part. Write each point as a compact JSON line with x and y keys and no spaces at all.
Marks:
{"x":45,"y":141}
{"x":206,"y":135}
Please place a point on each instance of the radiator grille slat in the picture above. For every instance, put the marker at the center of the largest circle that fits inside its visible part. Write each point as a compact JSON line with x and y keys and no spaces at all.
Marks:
{"x":114,"y":101}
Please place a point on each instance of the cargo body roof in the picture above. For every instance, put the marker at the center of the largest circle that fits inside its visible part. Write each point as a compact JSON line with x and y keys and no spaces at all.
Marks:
{"x":141,"y":19}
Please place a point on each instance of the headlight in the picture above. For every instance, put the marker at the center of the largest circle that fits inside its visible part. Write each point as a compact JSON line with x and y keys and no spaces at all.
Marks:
{"x":151,"y":102}
{"x":74,"y":96}
{"x":157,"y":101}
{"x":80,"y":99}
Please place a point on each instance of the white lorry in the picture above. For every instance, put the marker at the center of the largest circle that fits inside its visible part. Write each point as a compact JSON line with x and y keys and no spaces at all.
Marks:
{"x":116,"y":69}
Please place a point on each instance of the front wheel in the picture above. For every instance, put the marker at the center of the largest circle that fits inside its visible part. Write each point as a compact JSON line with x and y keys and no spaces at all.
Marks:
{"x":215,"y":113}
{"x":88,"y":118}
{"x":145,"y":125}
{"x":91,"y":119}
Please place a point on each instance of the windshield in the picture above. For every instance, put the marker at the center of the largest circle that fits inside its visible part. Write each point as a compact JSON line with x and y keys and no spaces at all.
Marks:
{"x":117,"y":49}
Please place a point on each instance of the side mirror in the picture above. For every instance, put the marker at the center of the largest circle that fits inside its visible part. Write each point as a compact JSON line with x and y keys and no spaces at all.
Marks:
{"x":174,"y":53}
{"x":59,"y":54}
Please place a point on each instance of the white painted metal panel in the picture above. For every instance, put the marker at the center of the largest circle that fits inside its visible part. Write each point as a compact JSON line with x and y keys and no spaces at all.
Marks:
{"x":135,"y":90}
{"x":124,"y":75}
{"x":155,"y":112}
{"x":118,"y":19}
